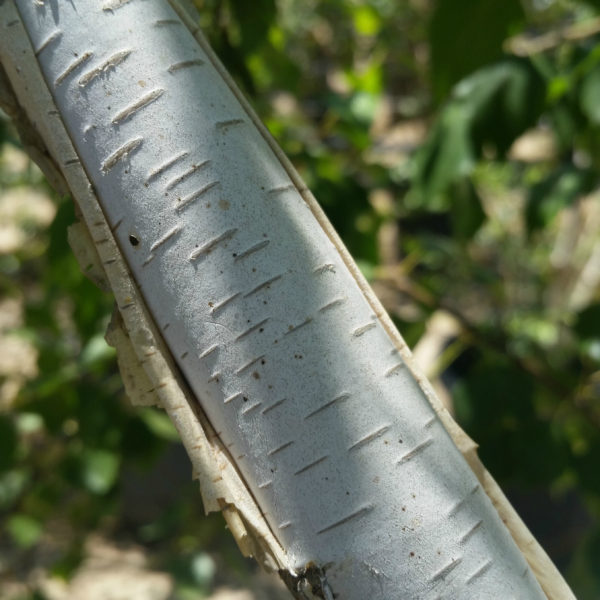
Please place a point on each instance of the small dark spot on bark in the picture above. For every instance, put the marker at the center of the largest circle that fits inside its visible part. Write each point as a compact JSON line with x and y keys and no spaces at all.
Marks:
{"x":244,"y":399}
{"x":412,"y":554}
{"x":256,"y":375}
{"x":133,"y":240}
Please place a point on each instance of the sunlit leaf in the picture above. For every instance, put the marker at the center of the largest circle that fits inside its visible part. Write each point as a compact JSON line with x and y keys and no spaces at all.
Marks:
{"x":100,"y":469}
{"x":159,"y":424}
{"x":548,"y":197}
{"x":24,"y":530}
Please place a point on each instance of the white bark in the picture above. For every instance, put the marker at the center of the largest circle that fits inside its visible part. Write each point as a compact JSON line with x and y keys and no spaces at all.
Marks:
{"x":295,"y":366}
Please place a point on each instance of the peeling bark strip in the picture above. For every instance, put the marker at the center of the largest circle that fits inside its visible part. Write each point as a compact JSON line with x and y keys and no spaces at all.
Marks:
{"x":263,"y":285}
{"x":166,"y":237}
{"x":112,"y":5}
{"x":247,"y":332}
{"x":249,"y":364}
{"x":284,"y":502}
{"x":188,"y":173}
{"x":461,"y":503}
{"x":252,"y":249}
{"x":195,"y":196}
{"x":294,"y":328}
{"x":140,"y":103}
{"x":465,"y":537}
{"x":110,"y":63}
{"x":165,"y":22}
{"x":332,"y":304}
{"x":53,"y":38}
{"x":223,"y":303}
{"x":395,"y":369}
{"x":310,"y":465}
{"x":223,"y":124}
{"x":280,"y":448}
{"x":337,"y":399}
{"x":444,"y":571}
{"x":165,"y":166}
{"x":185,"y":64}
{"x":363,"y":329}
{"x":209,"y":246}
{"x":369,"y":438}
{"x":275,"y":405}
{"x":479,"y":572}
{"x":78,"y":62}
{"x":416,"y":450}
{"x":351,"y":517}
{"x":121,"y":153}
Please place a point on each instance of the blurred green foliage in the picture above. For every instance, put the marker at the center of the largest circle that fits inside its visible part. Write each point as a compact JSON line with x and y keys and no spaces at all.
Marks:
{"x":470,"y":131}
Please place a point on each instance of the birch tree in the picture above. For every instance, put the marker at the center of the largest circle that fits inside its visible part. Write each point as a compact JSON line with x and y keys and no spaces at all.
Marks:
{"x":240,"y":312}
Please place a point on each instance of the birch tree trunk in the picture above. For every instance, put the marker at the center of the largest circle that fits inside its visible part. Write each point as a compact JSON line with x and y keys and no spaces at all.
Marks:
{"x":242,"y":314}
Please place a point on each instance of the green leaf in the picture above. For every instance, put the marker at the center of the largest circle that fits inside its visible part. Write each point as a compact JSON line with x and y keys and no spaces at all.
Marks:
{"x":254,"y":20}
{"x":466,"y":211}
{"x":503,"y":101}
{"x":159,"y":424}
{"x":24,"y":530}
{"x":587,"y":325}
{"x":447,"y":156}
{"x":8,"y":443}
{"x":12,"y":484}
{"x":100,"y":469}
{"x":548,"y":197}
{"x":467,"y":34}
{"x":491,"y":108}
{"x":590,"y":96}
{"x":495,"y":402}
{"x":366,"y":20}
{"x":96,"y":350}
